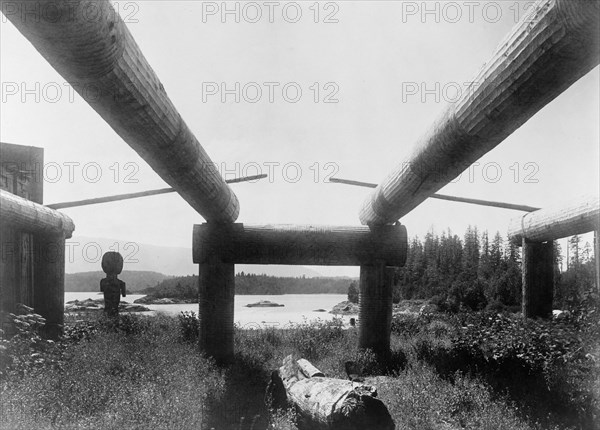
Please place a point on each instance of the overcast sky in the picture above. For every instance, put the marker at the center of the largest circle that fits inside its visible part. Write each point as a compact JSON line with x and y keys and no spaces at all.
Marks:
{"x":383,"y":70}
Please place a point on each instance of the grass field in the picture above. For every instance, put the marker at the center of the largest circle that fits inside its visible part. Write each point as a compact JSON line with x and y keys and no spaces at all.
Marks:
{"x":147,"y":373}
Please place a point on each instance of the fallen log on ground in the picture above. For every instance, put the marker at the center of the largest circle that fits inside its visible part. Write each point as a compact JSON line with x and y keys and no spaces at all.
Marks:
{"x":323,"y":403}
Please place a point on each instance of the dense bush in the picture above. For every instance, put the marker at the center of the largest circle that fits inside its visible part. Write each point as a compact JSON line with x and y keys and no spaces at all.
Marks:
{"x":550,"y":367}
{"x":26,"y":350}
{"x":189,"y":326}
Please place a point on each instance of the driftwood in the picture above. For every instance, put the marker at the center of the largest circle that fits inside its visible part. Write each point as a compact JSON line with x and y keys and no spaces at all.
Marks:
{"x":326,"y":403}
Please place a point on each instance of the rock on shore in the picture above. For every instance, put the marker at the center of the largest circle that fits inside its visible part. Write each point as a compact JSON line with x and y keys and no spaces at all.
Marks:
{"x":149,"y":300}
{"x":98,"y":305}
{"x":345,"y":308}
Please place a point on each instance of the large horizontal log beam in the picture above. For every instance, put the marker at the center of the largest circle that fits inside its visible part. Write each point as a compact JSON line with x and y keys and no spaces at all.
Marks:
{"x":578,"y":217}
{"x":26,"y":215}
{"x":545,"y":53}
{"x":289,"y":244}
{"x":90,"y":46}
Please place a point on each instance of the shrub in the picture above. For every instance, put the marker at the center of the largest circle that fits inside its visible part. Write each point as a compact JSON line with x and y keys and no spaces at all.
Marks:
{"x":26,"y":350}
{"x":189,"y":326}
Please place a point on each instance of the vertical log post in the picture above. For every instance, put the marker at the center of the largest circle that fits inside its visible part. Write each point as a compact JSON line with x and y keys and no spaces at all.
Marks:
{"x":375,"y":308}
{"x":538,"y":279}
{"x":597,"y":259}
{"x":216,"y":298}
{"x":49,"y":282}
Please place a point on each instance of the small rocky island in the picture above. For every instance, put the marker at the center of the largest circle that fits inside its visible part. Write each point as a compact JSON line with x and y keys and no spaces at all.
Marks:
{"x":150,"y":300}
{"x":264,"y":304}
{"x":98,"y":305}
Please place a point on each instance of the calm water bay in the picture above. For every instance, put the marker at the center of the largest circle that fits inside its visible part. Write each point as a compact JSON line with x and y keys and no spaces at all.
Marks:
{"x":297,"y":308}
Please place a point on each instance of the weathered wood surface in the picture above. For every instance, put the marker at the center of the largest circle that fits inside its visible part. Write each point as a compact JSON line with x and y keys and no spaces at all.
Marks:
{"x":90,"y":46}
{"x":546,"y":52}
{"x":22,"y":214}
{"x":375,"y":308}
{"x":327,"y":403}
{"x":216,"y":293}
{"x":597,"y":259}
{"x":576,"y":217}
{"x":296,"y":244}
{"x":49,"y":282}
{"x":538,"y":279}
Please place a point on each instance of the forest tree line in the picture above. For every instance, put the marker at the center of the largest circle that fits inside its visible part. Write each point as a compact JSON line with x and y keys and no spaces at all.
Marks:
{"x":247,"y":283}
{"x":474,"y":272}
{"x":480,"y":271}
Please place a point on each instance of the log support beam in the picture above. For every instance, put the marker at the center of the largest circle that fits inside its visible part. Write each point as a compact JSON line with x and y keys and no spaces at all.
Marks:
{"x":49,"y":229}
{"x":216,"y":298}
{"x":538,"y":279}
{"x":49,"y":282}
{"x":218,"y":247}
{"x":375,"y":308}
{"x":597,"y":260}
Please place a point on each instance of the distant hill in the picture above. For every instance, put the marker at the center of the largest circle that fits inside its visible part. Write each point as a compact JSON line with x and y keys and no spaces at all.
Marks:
{"x":90,"y":281}
{"x":162,"y":259}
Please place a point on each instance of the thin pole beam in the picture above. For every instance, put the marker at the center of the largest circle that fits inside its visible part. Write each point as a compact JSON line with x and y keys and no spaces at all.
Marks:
{"x":479,"y":202}
{"x":128,"y":196}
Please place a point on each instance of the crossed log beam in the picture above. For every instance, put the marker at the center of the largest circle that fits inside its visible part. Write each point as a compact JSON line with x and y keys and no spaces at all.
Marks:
{"x":535,"y":232}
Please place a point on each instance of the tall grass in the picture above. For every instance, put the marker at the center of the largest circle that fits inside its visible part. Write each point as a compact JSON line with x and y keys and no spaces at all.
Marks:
{"x":147,"y":373}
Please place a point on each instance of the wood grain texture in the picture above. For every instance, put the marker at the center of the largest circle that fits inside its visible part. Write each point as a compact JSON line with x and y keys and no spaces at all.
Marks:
{"x":543,"y":55}
{"x":49,"y":282}
{"x":25,"y":215}
{"x":327,"y":403}
{"x":538,"y":279}
{"x":375,"y":308}
{"x":216,"y":295}
{"x":297,"y":244}
{"x":579,"y":216}
{"x":90,"y":46}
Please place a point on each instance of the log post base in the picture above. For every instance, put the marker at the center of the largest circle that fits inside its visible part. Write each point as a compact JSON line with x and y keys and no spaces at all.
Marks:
{"x":375,"y":308}
{"x":538,"y":279}
{"x":49,"y":282}
{"x":216,"y":298}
